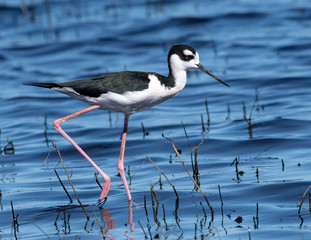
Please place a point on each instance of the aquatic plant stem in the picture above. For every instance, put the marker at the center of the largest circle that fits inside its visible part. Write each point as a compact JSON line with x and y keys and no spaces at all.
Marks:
{"x":303,"y":197}
{"x":198,"y":187}
{"x":61,"y":183}
{"x":87,"y":216}
{"x":165,"y":177}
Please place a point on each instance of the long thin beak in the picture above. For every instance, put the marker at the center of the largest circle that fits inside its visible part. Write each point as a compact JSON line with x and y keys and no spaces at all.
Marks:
{"x":212,"y":75}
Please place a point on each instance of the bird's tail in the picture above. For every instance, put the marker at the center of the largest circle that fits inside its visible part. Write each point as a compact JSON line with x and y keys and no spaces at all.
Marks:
{"x":44,"y":85}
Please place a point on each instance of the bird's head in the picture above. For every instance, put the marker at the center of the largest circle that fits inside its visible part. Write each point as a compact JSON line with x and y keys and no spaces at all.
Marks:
{"x":183,"y":57}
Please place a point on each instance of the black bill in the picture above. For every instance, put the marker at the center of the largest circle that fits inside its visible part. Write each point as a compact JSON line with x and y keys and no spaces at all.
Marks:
{"x":212,"y":75}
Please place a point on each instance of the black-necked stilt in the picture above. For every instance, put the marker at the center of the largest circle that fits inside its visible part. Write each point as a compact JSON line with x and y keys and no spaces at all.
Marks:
{"x":128,"y":92}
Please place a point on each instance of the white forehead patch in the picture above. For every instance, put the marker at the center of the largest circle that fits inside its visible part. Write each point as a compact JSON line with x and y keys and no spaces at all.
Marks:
{"x":187,"y":52}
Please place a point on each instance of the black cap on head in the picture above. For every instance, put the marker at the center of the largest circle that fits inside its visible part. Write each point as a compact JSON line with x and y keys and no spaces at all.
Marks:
{"x":179,"y":50}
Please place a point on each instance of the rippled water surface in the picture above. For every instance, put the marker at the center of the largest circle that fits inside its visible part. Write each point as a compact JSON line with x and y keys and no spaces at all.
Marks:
{"x":254,"y":160}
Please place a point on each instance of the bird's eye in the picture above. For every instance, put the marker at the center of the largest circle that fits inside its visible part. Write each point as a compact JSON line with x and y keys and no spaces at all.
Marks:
{"x":189,"y":57}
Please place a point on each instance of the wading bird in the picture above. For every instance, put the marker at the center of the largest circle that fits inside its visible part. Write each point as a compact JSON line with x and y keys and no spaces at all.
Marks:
{"x":128,"y":92}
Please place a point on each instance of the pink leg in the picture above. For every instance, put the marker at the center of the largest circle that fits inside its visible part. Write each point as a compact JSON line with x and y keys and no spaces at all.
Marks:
{"x":57,"y":123}
{"x":121,"y":159}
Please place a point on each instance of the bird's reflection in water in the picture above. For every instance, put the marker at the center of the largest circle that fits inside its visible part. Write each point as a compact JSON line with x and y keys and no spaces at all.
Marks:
{"x":110,"y":224}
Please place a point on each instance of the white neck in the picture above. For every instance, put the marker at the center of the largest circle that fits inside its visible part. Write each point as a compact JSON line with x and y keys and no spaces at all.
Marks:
{"x":178,"y":72}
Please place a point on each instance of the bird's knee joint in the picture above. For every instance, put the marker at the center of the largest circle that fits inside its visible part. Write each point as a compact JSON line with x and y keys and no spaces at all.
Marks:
{"x":108,"y":180}
{"x":56,"y":124}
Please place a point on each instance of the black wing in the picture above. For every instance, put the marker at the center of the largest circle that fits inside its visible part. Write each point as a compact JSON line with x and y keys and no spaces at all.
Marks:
{"x":111,"y":82}
{"x":118,"y":82}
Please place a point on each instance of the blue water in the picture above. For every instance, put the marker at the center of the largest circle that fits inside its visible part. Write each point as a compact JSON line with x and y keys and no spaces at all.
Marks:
{"x":260,"y":48}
